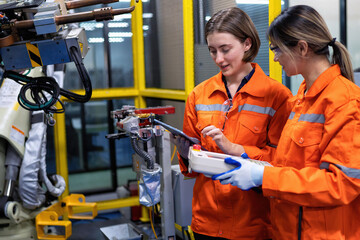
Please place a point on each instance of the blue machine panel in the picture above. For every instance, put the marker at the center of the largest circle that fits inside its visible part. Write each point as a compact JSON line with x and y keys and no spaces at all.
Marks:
{"x":15,"y":57}
{"x":49,"y":51}
{"x":53,"y":51}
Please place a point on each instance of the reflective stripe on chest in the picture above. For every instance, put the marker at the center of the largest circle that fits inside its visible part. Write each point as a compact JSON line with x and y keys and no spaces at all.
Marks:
{"x":245,"y":107}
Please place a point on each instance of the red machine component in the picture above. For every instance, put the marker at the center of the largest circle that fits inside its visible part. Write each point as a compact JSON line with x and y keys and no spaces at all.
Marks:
{"x":156,"y":110}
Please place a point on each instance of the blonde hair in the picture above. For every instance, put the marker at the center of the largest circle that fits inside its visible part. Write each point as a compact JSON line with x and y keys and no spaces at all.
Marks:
{"x":236,"y":22}
{"x":302,"y":22}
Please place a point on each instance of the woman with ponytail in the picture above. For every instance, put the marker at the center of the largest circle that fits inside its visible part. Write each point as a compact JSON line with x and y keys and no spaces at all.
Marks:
{"x":314,"y":184}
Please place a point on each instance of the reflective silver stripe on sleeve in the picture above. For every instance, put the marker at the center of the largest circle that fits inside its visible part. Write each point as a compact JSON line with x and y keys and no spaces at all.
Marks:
{"x":350,"y":172}
{"x":208,"y":108}
{"x":313,"y":118}
{"x":292,"y":114}
{"x":253,"y":108}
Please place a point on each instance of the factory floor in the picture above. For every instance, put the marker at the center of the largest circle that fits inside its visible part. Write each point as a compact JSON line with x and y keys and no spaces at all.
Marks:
{"x":116,"y":220}
{"x":112,"y":226}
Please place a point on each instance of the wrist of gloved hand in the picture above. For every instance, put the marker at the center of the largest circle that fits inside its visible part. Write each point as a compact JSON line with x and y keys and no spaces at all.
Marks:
{"x":257,"y":173}
{"x":245,"y":176}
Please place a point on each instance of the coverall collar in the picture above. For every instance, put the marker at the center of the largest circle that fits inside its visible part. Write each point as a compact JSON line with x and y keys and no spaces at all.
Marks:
{"x":245,"y":80}
{"x":256,"y":88}
{"x":321,"y":82}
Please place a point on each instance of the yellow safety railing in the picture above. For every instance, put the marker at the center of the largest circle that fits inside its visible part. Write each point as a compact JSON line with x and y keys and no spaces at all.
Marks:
{"x":138,"y":53}
{"x":188,"y":28}
{"x":274,"y":67}
{"x":139,"y":92}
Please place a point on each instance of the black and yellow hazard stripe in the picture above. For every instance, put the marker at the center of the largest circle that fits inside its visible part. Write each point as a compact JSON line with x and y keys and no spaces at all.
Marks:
{"x":81,"y":47}
{"x":34,"y":55}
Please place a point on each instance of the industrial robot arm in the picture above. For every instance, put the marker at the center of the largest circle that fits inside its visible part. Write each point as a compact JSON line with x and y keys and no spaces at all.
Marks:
{"x":33,"y":33}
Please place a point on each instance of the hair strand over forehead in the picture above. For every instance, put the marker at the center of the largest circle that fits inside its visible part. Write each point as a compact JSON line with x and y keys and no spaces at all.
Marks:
{"x":236,"y":22}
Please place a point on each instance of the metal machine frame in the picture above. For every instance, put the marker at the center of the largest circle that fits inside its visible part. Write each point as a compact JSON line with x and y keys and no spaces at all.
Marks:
{"x":141,"y":127}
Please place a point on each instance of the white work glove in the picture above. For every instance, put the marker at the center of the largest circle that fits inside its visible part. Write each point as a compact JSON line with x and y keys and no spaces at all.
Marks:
{"x":245,"y":176}
{"x":181,"y":144}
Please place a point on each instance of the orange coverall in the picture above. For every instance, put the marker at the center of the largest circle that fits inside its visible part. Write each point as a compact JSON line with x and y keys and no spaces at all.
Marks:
{"x":317,"y":188}
{"x":259,"y":112}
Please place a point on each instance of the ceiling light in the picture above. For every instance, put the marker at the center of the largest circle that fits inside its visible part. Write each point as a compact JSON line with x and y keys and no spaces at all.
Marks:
{"x":96,"y":40}
{"x":120,"y":34}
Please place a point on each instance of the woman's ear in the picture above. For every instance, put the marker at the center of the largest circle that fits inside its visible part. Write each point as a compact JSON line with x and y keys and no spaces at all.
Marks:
{"x":247,"y":44}
{"x":302,"y":48}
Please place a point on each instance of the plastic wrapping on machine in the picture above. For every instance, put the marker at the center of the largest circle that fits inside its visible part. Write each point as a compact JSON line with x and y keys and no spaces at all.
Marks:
{"x":33,"y":170}
{"x":149,"y":186}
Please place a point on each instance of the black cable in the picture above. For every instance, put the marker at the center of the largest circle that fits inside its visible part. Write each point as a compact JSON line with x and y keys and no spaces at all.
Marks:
{"x":45,"y":91}
{"x":84,"y":76}
{"x":299,"y":223}
{"x":188,"y":234}
{"x":157,"y":210}
{"x":37,"y":89}
{"x":183,"y":233}
{"x":153,"y":215}
{"x":145,"y":155}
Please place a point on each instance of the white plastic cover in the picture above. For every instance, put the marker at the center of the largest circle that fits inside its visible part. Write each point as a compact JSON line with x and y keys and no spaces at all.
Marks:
{"x":33,"y":170}
{"x":149,"y":186}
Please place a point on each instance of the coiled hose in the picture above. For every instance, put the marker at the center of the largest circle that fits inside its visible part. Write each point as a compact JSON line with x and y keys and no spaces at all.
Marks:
{"x":145,"y":155}
{"x":45,"y":91}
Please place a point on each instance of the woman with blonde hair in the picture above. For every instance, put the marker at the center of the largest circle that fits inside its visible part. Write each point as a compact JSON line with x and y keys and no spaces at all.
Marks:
{"x":314,"y":186}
